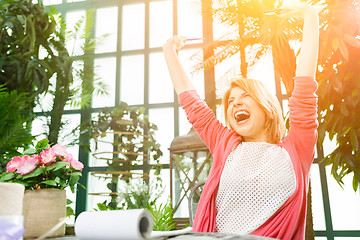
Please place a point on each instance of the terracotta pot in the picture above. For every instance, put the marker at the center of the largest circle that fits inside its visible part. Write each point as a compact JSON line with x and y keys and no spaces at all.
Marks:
{"x":42,"y":210}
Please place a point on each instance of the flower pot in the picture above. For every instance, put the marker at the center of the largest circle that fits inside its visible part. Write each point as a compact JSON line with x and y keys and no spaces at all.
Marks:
{"x":11,"y":201}
{"x":43,"y":209}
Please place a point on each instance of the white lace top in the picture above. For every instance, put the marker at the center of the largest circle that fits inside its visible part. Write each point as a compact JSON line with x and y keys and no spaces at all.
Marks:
{"x":257,"y":180}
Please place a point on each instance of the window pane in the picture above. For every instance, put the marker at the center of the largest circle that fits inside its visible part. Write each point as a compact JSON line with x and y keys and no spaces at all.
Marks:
{"x":97,"y":189}
{"x":105,"y":70}
{"x":317,"y":200}
{"x":51,"y":2}
{"x":101,"y":148}
{"x":224,"y":72}
{"x":66,"y":136}
{"x":106,"y":29}
{"x":133,"y":27}
{"x":132,"y":79}
{"x":188,"y":63}
{"x":190,"y":20}
{"x":263,"y":71}
{"x":165,"y":194}
{"x":45,"y":102}
{"x":344,"y":203}
{"x":184,"y":125}
{"x":75,"y":40}
{"x":161,"y":88}
{"x":76,"y":86}
{"x":39,"y":128}
{"x":164,"y":120}
{"x":161,"y":25}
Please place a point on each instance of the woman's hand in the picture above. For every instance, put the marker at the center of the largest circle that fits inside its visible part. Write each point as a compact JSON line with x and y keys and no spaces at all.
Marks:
{"x":179,"y":77}
{"x":292,"y":8}
{"x":174,"y":43}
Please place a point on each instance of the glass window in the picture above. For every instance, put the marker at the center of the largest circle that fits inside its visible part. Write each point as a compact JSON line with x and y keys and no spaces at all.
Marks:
{"x":189,"y":18}
{"x":263,"y":71}
{"x":51,"y":2}
{"x":184,"y":125}
{"x":164,"y":120}
{"x":317,"y":200}
{"x":344,"y":203}
{"x":160,"y":85}
{"x":165,"y":176}
{"x":197,"y":78}
{"x":102,"y":149}
{"x":132,"y":79}
{"x":66,"y":135}
{"x":97,"y":190}
{"x":224,"y":72}
{"x":133,"y":27}
{"x":75,"y":41}
{"x":39,"y":128}
{"x":106,"y":29}
{"x":161,"y":25}
{"x":105,"y":69}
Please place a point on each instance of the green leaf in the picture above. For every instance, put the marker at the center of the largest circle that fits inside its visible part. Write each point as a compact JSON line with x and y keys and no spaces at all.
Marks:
{"x":56,"y":166}
{"x":49,"y":182}
{"x":5,"y":177}
{"x":73,"y":180}
{"x":76,"y":174}
{"x":34,"y":173}
{"x":29,"y":151}
{"x":42,"y":144}
{"x":354,"y":139}
{"x":69,"y":211}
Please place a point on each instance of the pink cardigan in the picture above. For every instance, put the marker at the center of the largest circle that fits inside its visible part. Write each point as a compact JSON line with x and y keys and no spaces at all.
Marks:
{"x":289,"y":221}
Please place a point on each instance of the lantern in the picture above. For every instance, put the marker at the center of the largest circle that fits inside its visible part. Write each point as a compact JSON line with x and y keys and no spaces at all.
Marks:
{"x":190,"y":162}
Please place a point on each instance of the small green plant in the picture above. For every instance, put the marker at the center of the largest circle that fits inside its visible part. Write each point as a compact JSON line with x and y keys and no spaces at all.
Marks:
{"x":162,"y":217}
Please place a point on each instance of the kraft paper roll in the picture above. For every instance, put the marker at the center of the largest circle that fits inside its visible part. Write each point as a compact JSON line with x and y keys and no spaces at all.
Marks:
{"x":131,"y":224}
{"x":11,"y":198}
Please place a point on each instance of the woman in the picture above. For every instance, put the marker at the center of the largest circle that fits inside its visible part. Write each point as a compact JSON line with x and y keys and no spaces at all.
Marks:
{"x":258,"y":180}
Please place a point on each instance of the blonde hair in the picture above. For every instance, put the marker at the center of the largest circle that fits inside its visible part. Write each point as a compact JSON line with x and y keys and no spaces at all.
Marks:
{"x":274,"y":124}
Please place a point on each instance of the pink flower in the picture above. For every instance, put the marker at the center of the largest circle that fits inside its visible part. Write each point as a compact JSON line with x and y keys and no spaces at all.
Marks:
{"x":26,"y":165}
{"x":13,"y":164}
{"x":59,"y":150}
{"x":48,"y":156}
{"x":77,"y":165}
{"x":73,"y":162}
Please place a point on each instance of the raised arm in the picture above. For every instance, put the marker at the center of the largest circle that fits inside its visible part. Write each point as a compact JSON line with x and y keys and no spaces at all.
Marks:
{"x":179,"y":78}
{"x":307,"y":61}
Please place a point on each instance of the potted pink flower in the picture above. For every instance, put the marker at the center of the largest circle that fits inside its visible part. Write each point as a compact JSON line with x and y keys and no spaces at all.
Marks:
{"x":45,"y":171}
{"x":44,"y":167}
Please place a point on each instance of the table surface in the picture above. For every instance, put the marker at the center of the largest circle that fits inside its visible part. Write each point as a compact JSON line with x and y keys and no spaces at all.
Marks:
{"x":195,"y":236}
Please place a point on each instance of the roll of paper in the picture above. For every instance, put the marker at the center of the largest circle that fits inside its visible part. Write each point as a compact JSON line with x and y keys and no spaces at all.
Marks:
{"x":131,"y":224}
{"x":11,"y":200}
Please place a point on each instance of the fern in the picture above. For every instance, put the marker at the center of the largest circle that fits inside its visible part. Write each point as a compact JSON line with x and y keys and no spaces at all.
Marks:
{"x":14,"y":125}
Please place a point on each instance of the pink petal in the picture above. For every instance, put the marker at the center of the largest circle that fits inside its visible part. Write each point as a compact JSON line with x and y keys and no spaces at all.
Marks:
{"x":48,"y":156}
{"x":77,"y":165}
{"x":27,"y":165}
{"x":13,"y":164}
{"x":59,"y":150}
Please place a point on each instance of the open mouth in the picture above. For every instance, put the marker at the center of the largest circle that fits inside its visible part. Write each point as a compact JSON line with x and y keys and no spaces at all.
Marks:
{"x":241,"y":116}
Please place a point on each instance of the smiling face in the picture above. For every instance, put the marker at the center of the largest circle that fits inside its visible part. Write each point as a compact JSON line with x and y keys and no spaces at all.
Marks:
{"x":253,"y":111}
{"x":245,"y":116}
